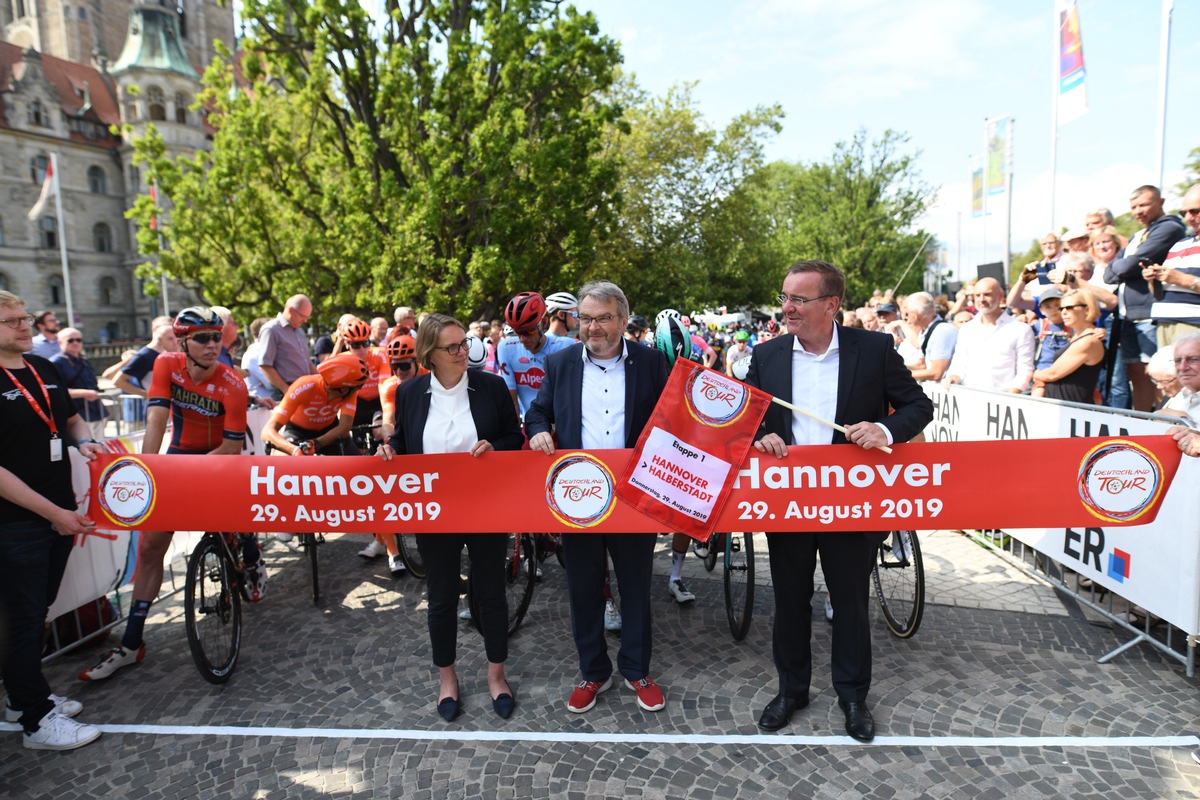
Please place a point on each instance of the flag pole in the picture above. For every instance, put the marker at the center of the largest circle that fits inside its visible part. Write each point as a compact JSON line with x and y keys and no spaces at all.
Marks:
{"x":1164,"y":57}
{"x":62,"y":237}
{"x":1012,"y":124}
{"x":1055,"y":66}
{"x":815,"y":418}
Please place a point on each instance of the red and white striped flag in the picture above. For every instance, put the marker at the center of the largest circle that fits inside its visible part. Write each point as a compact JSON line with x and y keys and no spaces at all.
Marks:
{"x":47,"y":192}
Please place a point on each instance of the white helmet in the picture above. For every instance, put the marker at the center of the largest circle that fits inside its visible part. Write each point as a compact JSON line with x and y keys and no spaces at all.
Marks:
{"x":561,"y":301}
{"x":665,"y":314}
{"x":476,"y":351}
{"x":741,"y":367}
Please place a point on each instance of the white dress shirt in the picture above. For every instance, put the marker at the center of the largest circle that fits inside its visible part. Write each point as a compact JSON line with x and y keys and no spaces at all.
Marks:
{"x":996,"y":356}
{"x":603,"y":412}
{"x":814,"y":388}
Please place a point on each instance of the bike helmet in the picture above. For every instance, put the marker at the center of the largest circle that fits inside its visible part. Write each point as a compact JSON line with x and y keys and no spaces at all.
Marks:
{"x":525,"y":311}
{"x":673,"y":340}
{"x":741,"y":336}
{"x":664,"y":314}
{"x":561,"y":301}
{"x":637,"y":323}
{"x":476,"y":351}
{"x":197,"y":318}
{"x":772,"y":326}
{"x":403,"y":346}
{"x":346,"y":371}
{"x":354,"y":330}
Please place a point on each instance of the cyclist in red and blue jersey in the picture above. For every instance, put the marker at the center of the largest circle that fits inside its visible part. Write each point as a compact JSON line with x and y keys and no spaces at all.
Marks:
{"x":206,"y":402}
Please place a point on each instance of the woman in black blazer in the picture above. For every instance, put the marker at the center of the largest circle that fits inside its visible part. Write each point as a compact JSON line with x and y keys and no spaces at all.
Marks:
{"x":453,"y":410}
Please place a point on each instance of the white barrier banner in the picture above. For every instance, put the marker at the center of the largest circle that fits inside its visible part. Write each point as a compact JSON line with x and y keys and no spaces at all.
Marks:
{"x":1156,"y":566}
{"x":103,"y":561}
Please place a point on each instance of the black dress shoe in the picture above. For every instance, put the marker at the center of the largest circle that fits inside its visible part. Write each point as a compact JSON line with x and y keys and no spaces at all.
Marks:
{"x":504,"y":705}
{"x":779,"y":711}
{"x":859,"y":723}
{"x":449,"y":708}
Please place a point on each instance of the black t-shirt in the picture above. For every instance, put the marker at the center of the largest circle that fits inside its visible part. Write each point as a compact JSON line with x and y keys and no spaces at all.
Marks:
{"x":25,"y":439}
{"x":140,"y":366}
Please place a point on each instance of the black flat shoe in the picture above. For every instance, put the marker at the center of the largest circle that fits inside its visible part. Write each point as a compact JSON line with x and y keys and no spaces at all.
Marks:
{"x":504,"y":705}
{"x":779,"y":711}
{"x":449,"y":708}
{"x":859,"y":722}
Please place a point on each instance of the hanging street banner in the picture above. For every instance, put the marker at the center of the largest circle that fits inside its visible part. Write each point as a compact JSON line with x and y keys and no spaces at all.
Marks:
{"x":945,"y":485}
{"x":977,"y":192}
{"x":997,"y":155}
{"x":1072,"y":76}
{"x":679,"y":473}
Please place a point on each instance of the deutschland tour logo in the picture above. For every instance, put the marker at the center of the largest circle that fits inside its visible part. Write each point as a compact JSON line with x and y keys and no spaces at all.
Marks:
{"x":127,"y":491}
{"x":579,"y":490}
{"x":714,"y":399}
{"x":1119,"y":481}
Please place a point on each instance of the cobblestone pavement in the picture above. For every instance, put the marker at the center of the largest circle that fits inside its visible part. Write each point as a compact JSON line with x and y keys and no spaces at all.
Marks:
{"x":998,"y":657}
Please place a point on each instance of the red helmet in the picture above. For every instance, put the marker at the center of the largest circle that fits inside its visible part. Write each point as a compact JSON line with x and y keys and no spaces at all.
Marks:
{"x":346,"y":371}
{"x":525,"y":311}
{"x":197,"y":318}
{"x":772,"y":326}
{"x":354,"y":330}
{"x":403,"y":346}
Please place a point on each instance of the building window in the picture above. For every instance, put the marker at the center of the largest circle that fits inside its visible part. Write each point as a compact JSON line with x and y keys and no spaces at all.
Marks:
{"x":102,"y":237}
{"x":97,"y":183}
{"x":38,"y":115}
{"x":19,"y":8}
{"x":2,"y":242}
{"x":5,"y":283}
{"x":37,"y":169}
{"x":49,"y":233}
{"x":157,"y":103}
{"x":181,"y":107}
{"x":108,"y":291}
{"x":82,"y":12}
{"x":55,"y":288}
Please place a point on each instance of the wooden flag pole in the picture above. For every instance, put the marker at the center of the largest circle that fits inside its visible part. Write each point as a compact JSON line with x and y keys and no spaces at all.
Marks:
{"x":815,"y":418}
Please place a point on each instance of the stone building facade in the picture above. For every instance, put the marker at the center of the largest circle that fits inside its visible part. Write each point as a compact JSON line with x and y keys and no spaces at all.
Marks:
{"x":69,"y":72}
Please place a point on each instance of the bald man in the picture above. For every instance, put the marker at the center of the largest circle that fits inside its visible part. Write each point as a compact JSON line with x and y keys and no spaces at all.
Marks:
{"x":994,"y":350}
{"x":286,"y":355}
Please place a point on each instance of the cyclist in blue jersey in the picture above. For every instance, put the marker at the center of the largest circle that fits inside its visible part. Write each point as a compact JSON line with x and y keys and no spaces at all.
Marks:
{"x":522,"y":356}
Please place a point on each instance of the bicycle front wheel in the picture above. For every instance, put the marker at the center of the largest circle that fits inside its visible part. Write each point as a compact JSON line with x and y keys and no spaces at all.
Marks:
{"x":520,"y":575}
{"x":212,"y":610}
{"x":309,"y":542}
{"x":739,"y":582}
{"x":410,"y":555}
{"x":899,"y":577}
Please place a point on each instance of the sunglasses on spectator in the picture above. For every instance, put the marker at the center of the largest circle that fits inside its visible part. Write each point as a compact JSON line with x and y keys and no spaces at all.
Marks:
{"x":1071,"y":308}
{"x":74,"y":341}
{"x":1195,"y":212}
{"x":402,"y":366}
{"x":206,"y":338}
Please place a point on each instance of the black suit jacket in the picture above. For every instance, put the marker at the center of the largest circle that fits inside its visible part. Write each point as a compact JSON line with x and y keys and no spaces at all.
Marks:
{"x":871,"y":378}
{"x":559,"y":402}
{"x":491,"y":407}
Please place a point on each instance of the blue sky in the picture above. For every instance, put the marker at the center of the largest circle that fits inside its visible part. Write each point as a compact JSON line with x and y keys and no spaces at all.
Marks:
{"x":936,"y":70}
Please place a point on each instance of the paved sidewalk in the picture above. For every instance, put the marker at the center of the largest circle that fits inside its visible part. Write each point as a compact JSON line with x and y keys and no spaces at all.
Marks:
{"x":998,"y":695}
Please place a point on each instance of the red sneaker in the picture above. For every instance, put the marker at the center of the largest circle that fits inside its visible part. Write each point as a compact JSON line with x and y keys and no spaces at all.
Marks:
{"x":649,"y":696}
{"x":584,"y":696}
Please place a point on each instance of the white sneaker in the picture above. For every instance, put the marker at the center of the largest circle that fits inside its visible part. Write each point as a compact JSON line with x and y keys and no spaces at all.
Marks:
{"x":56,"y":732}
{"x":63,"y":705}
{"x":612,"y":616}
{"x":117,"y":657}
{"x":828,"y":608}
{"x":395,"y":564}
{"x":373,"y":550}
{"x":465,"y":614}
{"x":900,"y":545}
{"x":256,"y":581}
{"x":283,"y":537}
{"x":700,"y":549}
{"x":680,"y":592}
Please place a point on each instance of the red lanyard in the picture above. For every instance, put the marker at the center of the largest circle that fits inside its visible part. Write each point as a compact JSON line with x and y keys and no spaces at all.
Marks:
{"x":49,"y":420}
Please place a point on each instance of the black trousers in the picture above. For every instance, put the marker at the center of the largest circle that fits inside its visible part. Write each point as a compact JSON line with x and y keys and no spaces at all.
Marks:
{"x":442,"y":553}
{"x":846,"y":560}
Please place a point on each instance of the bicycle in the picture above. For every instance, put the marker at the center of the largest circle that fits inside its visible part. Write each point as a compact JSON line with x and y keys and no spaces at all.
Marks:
{"x":737,"y":549}
{"x":899,"y":578}
{"x":213,"y":594}
{"x":520,"y":575}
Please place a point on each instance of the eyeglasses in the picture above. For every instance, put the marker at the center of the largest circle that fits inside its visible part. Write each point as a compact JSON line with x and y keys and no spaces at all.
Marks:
{"x":1161,"y":382}
{"x":1191,"y":361}
{"x":74,"y":341}
{"x":358,"y":345}
{"x":1070,"y":308}
{"x":456,"y":348}
{"x":401,"y":366}
{"x":604,"y":320}
{"x":784,"y":299}
{"x":206,"y":338}
{"x":15,"y":322}
{"x":1195,"y":212}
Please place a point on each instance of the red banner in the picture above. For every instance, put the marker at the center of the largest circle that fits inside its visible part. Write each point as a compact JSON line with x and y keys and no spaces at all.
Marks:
{"x":1080,"y":481}
{"x":679,"y":474}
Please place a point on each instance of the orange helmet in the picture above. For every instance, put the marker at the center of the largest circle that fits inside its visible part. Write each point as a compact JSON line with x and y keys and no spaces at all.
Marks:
{"x":346,"y":371}
{"x":354,"y":330}
{"x":403,"y":346}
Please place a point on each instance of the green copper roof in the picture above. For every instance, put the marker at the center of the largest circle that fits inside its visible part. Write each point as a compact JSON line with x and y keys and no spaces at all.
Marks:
{"x":153,"y":43}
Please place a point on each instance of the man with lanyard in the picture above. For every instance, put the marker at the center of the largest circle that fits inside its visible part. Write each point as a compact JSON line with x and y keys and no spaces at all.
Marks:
{"x":38,"y":523}
{"x":523,"y":356}
{"x":206,"y":404}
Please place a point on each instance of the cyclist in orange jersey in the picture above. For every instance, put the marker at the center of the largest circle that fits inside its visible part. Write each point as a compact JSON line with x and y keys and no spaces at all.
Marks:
{"x":317,"y":412}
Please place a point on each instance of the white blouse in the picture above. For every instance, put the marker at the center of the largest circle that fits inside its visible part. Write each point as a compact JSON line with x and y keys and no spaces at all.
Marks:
{"x":450,"y":428}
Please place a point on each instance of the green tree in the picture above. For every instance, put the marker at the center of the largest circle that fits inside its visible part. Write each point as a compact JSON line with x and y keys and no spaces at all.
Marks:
{"x":1191,"y":174}
{"x":445,"y":160}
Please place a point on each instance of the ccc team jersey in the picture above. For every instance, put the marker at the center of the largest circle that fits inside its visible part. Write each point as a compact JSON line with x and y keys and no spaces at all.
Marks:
{"x":523,"y":370}
{"x":377,"y":365}
{"x":308,"y":406}
{"x":201,"y":414}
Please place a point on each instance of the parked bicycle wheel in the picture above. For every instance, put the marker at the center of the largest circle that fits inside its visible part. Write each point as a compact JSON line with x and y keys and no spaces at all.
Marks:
{"x":213,"y":609}
{"x":739,"y":582}
{"x":899,"y":577}
{"x":407,"y":542}
{"x":310,"y":541}
{"x":520,"y":574}
{"x":715,"y":544}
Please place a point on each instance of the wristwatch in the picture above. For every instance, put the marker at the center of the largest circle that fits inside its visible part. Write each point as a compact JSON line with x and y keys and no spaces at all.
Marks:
{"x":84,"y":441}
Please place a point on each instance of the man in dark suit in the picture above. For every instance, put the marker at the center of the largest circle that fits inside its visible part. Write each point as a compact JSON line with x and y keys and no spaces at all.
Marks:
{"x":851,"y":377}
{"x":597,"y":395}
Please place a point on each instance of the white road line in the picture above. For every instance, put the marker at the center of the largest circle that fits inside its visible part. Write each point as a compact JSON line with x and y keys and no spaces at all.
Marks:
{"x":778,"y":740}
